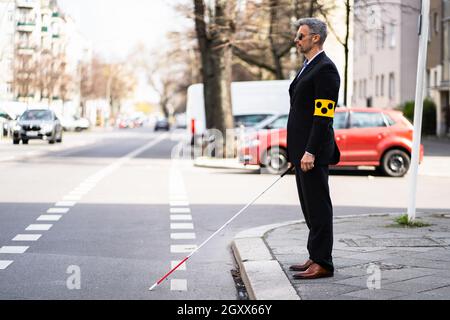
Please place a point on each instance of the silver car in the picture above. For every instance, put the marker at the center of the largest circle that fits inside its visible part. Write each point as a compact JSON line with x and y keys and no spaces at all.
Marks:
{"x":38,"y":124}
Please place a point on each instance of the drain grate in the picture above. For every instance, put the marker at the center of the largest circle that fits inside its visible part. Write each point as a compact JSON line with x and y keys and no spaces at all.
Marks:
{"x":390,"y":242}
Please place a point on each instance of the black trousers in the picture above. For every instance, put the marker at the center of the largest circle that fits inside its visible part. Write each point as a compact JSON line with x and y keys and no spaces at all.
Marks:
{"x":315,"y":200}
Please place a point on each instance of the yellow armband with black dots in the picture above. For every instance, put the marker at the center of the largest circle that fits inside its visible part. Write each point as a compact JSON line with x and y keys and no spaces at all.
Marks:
{"x":324,"y":108}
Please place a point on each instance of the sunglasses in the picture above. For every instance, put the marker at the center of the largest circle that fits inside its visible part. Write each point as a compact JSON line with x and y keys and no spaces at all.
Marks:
{"x":301,"y":36}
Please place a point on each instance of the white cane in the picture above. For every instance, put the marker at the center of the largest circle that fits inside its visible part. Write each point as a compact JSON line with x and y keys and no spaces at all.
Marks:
{"x":218,"y":231}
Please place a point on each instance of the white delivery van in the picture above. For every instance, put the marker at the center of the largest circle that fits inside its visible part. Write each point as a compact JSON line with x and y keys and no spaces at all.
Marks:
{"x":256,"y":99}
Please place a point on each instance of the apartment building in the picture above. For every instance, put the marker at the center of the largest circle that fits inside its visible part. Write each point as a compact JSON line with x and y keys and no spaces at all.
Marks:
{"x":7,"y":27}
{"x":40,"y":50}
{"x":438,"y":64}
{"x":386,"y":51}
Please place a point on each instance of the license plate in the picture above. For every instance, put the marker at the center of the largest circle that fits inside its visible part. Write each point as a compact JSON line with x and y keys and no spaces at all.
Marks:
{"x":32,"y":134}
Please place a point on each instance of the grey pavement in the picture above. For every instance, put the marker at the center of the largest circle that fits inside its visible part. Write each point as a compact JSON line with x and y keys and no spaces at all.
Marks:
{"x":375,"y":259}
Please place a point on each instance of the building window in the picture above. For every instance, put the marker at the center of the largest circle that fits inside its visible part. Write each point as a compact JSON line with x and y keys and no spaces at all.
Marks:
{"x":436,"y":82}
{"x":436,"y":22}
{"x":391,"y":35}
{"x":382,"y":86}
{"x":391,"y":86}
{"x":371,"y":67}
{"x":377,"y":82}
{"x":365,"y":89}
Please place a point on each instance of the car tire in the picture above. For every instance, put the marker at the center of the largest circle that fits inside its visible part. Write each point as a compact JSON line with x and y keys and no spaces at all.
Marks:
{"x":276,"y":161}
{"x":395,"y":163}
{"x":60,"y":139}
{"x":16,"y":141}
{"x":25,"y":141}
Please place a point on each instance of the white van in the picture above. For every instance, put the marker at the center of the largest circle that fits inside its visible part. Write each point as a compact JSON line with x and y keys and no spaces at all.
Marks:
{"x":255,"y":99}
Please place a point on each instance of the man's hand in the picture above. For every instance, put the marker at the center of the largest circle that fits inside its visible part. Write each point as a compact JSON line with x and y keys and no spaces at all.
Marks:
{"x":307,"y":162}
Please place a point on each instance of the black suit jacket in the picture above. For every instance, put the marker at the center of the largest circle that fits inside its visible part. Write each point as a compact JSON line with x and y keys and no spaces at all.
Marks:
{"x":314,"y":95}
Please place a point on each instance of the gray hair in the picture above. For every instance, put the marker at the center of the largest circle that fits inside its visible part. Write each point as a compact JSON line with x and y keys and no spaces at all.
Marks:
{"x":315,"y":25}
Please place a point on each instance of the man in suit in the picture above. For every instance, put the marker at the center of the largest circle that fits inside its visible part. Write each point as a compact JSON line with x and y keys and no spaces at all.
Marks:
{"x":311,"y":144}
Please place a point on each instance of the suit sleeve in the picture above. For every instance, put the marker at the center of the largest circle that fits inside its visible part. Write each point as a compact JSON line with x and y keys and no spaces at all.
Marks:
{"x":326,"y":94}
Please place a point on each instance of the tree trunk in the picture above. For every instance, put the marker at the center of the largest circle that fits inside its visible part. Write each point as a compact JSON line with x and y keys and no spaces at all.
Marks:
{"x":346,"y":49}
{"x":273,"y":46}
{"x":216,"y":57}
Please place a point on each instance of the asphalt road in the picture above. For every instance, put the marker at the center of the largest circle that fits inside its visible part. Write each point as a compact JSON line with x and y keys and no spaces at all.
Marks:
{"x":120,"y":212}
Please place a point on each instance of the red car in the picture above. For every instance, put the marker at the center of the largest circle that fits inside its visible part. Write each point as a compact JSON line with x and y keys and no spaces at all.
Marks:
{"x":366,"y":137}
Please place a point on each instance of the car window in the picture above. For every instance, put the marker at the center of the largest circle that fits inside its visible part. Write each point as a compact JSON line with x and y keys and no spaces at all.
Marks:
{"x":249,"y":120}
{"x":279,"y":123}
{"x":37,"y":115}
{"x":340,"y":120}
{"x":389,"y":119}
{"x":367,"y":120}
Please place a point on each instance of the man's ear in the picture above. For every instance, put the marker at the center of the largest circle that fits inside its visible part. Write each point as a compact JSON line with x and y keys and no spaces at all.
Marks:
{"x":316,"y":38}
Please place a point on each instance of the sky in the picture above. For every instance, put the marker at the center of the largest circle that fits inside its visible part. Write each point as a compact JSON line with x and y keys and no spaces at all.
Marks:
{"x":116,"y":26}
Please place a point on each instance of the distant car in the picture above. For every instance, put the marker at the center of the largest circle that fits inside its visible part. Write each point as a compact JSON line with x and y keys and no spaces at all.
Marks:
{"x":38,"y":124}
{"x":366,"y":137}
{"x":162,"y":124}
{"x":74,"y":123}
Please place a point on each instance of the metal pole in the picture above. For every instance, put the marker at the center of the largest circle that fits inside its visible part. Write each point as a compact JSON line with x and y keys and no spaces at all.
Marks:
{"x":424,"y":27}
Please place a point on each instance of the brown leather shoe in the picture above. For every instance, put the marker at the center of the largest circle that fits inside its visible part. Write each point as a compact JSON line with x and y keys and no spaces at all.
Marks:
{"x":301,"y":267}
{"x":315,"y":271}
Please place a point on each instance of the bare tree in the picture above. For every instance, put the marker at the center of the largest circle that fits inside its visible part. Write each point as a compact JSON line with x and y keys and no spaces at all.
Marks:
{"x":264,"y":38}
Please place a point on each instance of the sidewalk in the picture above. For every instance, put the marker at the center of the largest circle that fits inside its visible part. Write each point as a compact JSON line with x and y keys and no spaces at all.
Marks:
{"x":413,"y":263}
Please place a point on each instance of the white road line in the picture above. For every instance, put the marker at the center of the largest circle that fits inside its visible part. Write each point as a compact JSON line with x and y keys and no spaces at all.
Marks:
{"x":178,"y":285}
{"x":49,"y":218}
{"x":5,"y":264}
{"x":173,"y":264}
{"x":179,"y":203}
{"x":180,"y":210}
{"x":178,"y":197}
{"x":65,"y":204}
{"x":182,"y":236}
{"x":182,"y":248}
{"x":181,"y":217}
{"x":180,"y":226}
{"x":39,"y":227}
{"x":27,"y":237}
{"x":13,"y":249}
{"x":58,"y":210}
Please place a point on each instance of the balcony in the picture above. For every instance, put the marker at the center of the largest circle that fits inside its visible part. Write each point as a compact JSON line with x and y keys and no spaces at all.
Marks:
{"x":28,"y":4}
{"x":25,"y":51}
{"x":26,"y":26}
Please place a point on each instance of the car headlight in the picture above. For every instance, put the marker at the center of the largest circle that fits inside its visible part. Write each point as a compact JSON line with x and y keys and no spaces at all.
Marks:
{"x":17,"y":127}
{"x":47,"y":127}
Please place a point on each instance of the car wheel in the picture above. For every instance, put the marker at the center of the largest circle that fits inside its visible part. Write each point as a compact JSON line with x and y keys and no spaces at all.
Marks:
{"x":395,"y":163}
{"x":16,"y":141}
{"x":25,"y":141}
{"x":59,"y":140}
{"x":276,"y":161}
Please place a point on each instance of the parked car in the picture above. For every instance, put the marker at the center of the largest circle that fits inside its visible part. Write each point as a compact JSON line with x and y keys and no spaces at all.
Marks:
{"x":366,"y":137}
{"x":38,"y":124}
{"x":74,"y":123}
{"x":5,"y":123}
{"x":162,"y":124}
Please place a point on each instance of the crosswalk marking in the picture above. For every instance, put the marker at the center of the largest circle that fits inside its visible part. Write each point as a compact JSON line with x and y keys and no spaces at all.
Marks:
{"x":181,"y":217}
{"x":49,"y":218}
{"x":182,"y":236}
{"x":27,"y":237}
{"x":178,"y":285}
{"x":39,"y":227}
{"x":182,"y":248}
{"x":13,"y":249}
{"x":5,"y":264}
{"x":180,"y":226}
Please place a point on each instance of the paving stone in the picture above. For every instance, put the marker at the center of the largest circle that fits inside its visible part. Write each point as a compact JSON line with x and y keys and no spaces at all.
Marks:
{"x":418,"y":285}
{"x":375,"y":294}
